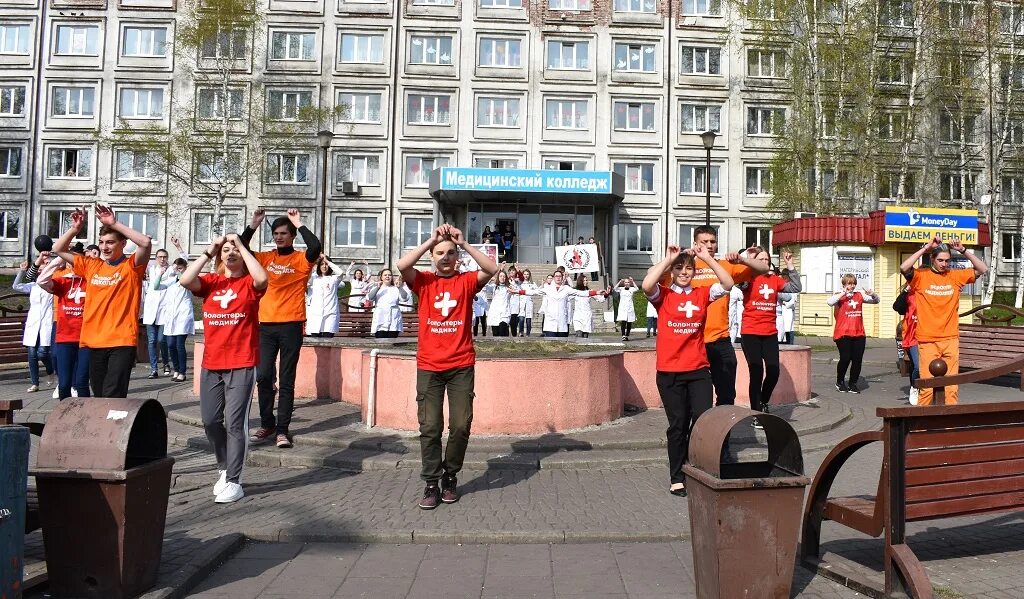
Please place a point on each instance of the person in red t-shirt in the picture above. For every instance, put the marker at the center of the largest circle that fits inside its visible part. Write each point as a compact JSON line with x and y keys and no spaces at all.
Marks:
{"x":759,"y":334}
{"x":72,"y":361}
{"x":906,"y":306}
{"x":849,"y":335}
{"x":445,"y":357}
{"x":683,"y":373}
{"x":232,"y":351}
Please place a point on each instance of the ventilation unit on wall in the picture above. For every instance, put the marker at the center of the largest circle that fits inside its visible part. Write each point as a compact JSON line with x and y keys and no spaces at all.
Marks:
{"x":804,"y":214}
{"x":350,"y":188}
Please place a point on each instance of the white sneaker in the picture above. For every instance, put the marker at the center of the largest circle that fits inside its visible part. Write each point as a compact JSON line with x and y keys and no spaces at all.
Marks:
{"x":915,"y":394}
{"x":56,"y":393}
{"x":32,"y":389}
{"x":232,"y":492}
{"x":222,"y":482}
{"x":74,"y":392}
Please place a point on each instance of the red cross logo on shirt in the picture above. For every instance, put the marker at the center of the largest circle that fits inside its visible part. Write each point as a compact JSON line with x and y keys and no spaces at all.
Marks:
{"x":689,"y":308}
{"x":853,"y":304}
{"x":765,"y":290}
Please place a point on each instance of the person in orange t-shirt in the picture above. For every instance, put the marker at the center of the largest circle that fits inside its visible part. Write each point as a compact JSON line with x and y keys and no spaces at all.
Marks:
{"x":720,"y":351}
{"x":282,"y":316}
{"x":110,"y":318}
{"x":937,"y":291}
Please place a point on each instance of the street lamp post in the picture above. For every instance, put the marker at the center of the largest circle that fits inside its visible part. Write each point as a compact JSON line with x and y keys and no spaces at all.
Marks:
{"x":708,"y":137}
{"x":324,"y":139}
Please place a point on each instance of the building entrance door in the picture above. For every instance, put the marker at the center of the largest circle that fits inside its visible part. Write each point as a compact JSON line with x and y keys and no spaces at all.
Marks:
{"x":556,"y":232}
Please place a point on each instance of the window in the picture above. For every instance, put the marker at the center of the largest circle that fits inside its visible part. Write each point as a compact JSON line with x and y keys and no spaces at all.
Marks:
{"x":78,"y":40}
{"x":502,"y":3}
{"x":758,"y":237}
{"x":72,"y":101}
{"x":891,"y":125}
{"x":643,"y":6}
{"x":830,"y":186}
{"x":565,"y":114}
{"x":358,"y":231}
{"x":636,"y":237}
{"x":956,"y":187}
{"x":418,"y":169}
{"x":1012,"y":19}
{"x":73,"y":163}
{"x":227,"y":44}
{"x":141,"y":103}
{"x":12,"y":100}
{"x":434,"y":2}
{"x":497,"y":112}
{"x":215,"y":167}
{"x":147,"y":223}
{"x":685,"y":238}
{"x":634,"y":57}
{"x":702,"y":8}
{"x":288,"y":105}
{"x":1014,"y":131}
{"x":430,"y":50}
{"x":498,"y":52}
{"x":203,"y":230}
{"x":144,"y":41}
{"x":429,"y":110}
{"x":692,"y":179}
{"x":565,"y":165}
{"x":1011,"y":247}
{"x":56,"y":222}
{"x":357,"y":168}
{"x":1011,"y":74}
{"x":136,"y":165}
{"x":833,"y":124}
{"x":765,"y":121}
{"x":415,"y":231}
{"x":698,"y":118}
{"x":569,"y":4}
{"x":13,"y":39}
{"x":759,"y":181}
{"x":957,"y":15}
{"x":565,"y":55}
{"x":10,"y":162}
{"x":292,"y":45}
{"x":761,"y":9}
{"x":213,"y":104}
{"x":359,"y":107}
{"x":1011,"y":189}
{"x":362,"y":48}
{"x":639,"y":176}
{"x":496,"y":163}
{"x":956,"y":70}
{"x":956,"y":128}
{"x":9,"y":221}
{"x":290,"y":169}
{"x":894,"y":70}
{"x":766,"y":63}
{"x":889,"y":185}
{"x":634,"y":116}
{"x":896,"y":13}
{"x":700,"y":60}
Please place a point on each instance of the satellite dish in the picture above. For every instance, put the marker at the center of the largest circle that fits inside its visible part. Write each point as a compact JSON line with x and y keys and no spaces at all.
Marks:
{"x":985,"y":200}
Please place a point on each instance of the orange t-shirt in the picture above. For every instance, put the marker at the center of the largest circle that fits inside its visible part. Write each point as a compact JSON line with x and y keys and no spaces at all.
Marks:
{"x":285,"y":299}
{"x":717,"y":324}
{"x":111,"y":314}
{"x":938,"y":302}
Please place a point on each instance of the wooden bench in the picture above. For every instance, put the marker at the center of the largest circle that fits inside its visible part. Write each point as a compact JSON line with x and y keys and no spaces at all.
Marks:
{"x":938,"y":462}
{"x":994,"y":341}
{"x":13,"y":316}
{"x":356,"y":322}
{"x":7,"y":409}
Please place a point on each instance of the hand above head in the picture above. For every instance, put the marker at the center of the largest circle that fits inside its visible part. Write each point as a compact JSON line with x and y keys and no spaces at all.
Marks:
{"x":295,"y":217}
{"x":215,"y":245}
{"x":78,"y":218}
{"x":23,"y":265}
{"x":733,"y":257}
{"x":176,"y":243}
{"x":934,"y":243}
{"x":233,"y":238}
{"x":105,"y":214}
{"x":870,"y":292}
{"x":787,"y":257}
{"x":701,"y":251}
{"x":957,"y":245}
{"x":671,"y":253}
{"x":257,"y":218}
{"x":42,"y":258}
{"x":456,"y":236}
{"x":752,"y":251}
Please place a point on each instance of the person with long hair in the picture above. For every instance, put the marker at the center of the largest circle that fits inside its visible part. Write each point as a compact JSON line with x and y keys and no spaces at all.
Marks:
{"x":387,"y":315}
{"x":556,"y":309}
{"x":322,"y":299}
{"x":498,"y":312}
{"x":38,"y":333}
{"x":177,"y":318}
{"x":683,"y":371}
{"x":479,"y":313}
{"x":849,"y":336}
{"x":159,"y":275}
{"x":526,"y":304}
{"x":906,"y":306}
{"x":357,"y":280}
{"x":625,"y":313}
{"x":583,"y":313}
{"x":759,"y":334}
{"x":231,"y":297}
{"x":71,"y":360}
{"x":515,"y":278}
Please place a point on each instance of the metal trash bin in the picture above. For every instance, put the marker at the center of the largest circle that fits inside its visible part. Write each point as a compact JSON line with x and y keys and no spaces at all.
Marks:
{"x":744,"y":516}
{"x":103,"y":478}
{"x":14,"y":447}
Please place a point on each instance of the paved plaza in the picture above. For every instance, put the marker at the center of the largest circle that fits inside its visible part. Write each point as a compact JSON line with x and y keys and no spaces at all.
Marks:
{"x":584,"y":513}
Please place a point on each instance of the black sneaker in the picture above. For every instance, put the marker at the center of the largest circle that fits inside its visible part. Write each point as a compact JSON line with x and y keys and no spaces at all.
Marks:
{"x":449,"y":489}
{"x":153,"y":375}
{"x":431,"y":497}
{"x":852,"y":388}
{"x":841,"y":387}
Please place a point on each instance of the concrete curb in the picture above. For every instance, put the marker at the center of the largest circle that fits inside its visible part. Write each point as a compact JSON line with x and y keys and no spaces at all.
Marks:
{"x":558,"y":537}
{"x":190,"y":575}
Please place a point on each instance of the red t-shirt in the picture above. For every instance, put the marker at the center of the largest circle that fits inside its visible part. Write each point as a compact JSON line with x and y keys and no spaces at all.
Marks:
{"x":69,"y":294}
{"x":231,"y":323}
{"x":849,"y":314}
{"x":445,"y":317}
{"x":681,"y":317}
{"x":760,"y":298}
{"x":910,"y":322}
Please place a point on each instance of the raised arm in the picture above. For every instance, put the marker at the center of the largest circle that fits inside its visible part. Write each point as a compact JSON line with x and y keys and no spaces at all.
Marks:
{"x":407,"y":263}
{"x":105,"y":214}
{"x":313,"y":246}
{"x":487,"y":266}
{"x":655,"y":272}
{"x":907,"y":267}
{"x":18,"y":284}
{"x":254,"y":224}
{"x":835,"y":298}
{"x":793,"y":285}
{"x":747,"y":259}
{"x":45,"y":280}
{"x":870,"y":297}
{"x":980,"y":267}
{"x":190,"y":278}
{"x":61,"y":245}
{"x":724,"y":278}
{"x":256,"y":270}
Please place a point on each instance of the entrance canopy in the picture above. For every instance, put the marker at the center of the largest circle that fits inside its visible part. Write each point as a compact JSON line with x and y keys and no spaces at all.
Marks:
{"x":467,"y":185}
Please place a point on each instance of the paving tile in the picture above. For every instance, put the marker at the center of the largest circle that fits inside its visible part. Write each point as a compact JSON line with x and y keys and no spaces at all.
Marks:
{"x":375,"y":588}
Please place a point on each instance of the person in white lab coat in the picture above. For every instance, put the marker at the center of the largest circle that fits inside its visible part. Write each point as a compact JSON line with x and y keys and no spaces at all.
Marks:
{"x":556,"y":310}
{"x":38,"y":334}
{"x":358,"y":281}
{"x":177,"y":317}
{"x":652,"y":319}
{"x":479,"y":313}
{"x":387,"y":316}
{"x":786,"y":316}
{"x":583,"y":313}
{"x":735,"y":312}
{"x":159,"y":275}
{"x":526,"y":304}
{"x":498,"y":312}
{"x":543,"y":300}
{"x":625,"y":314}
{"x":322,"y":299}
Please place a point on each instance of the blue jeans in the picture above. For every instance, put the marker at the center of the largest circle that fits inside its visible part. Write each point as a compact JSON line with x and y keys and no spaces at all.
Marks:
{"x":72,"y":369}
{"x":176,"y":345}
{"x":35,"y":355}
{"x":915,"y":364}
{"x":155,"y":335}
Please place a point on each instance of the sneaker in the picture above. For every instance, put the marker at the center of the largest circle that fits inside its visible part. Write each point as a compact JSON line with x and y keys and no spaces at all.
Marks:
{"x":678,"y":489}
{"x":74,"y":392}
{"x":56,"y":394}
{"x":449,"y":492}
{"x":625,"y":338}
{"x":167,"y":370}
{"x":261,"y":435}
{"x":431,"y":497}
{"x":221,"y":483}
{"x":841,"y":387}
{"x":915,"y":395}
{"x":154,"y":375}
{"x":853,"y":388}
{"x":32,"y":389}
{"x":180,"y":377}
{"x":282,"y":441}
{"x":232,"y":492}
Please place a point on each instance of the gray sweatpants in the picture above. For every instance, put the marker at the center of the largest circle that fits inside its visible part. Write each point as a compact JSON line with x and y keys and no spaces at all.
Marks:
{"x":224,"y":399}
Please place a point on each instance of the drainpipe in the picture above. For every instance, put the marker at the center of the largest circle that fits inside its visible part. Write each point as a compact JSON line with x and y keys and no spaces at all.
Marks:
{"x":397,"y":168}
{"x":669,"y":130}
{"x":371,"y":396}
{"x":36,"y":142}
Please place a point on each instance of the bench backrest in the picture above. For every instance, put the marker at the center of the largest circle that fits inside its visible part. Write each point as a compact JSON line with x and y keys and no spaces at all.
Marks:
{"x":956,"y":460}
{"x":356,"y":323}
{"x":983,"y":345}
{"x":11,"y":330}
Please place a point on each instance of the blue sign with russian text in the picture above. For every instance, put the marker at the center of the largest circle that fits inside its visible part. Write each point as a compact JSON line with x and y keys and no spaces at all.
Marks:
{"x":522,"y":180}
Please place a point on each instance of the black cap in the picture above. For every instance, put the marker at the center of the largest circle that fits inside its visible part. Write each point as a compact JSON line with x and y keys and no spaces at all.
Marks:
{"x":43,"y":243}
{"x":78,"y":248}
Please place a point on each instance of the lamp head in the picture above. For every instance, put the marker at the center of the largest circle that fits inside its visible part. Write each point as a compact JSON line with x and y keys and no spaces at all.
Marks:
{"x":708,"y":137}
{"x":324,"y":138}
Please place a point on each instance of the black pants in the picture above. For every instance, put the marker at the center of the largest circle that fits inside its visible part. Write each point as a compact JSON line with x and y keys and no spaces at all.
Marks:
{"x":386,"y":334}
{"x":500,"y":329}
{"x":626,"y":327}
{"x":556,"y":333}
{"x":321,"y":335}
{"x":284,"y":338}
{"x":851,"y":354}
{"x":110,"y":369}
{"x":762,"y":354}
{"x":430,"y":391}
{"x":685,"y":395}
{"x":722,"y":357}
{"x":513,"y":325}
{"x":480,"y":321}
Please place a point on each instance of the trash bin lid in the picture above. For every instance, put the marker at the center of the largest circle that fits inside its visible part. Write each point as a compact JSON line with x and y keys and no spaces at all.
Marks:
{"x":103,"y":434}
{"x":713,"y":427}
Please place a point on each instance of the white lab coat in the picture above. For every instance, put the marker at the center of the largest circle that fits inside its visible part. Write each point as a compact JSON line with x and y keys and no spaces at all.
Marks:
{"x":39,"y":322}
{"x":176,"y":314}
{"x":156,"y":285}
{"x":735,"y":312}
{"x":499,"y":311}
{"x":479,"y":305}
{"x":322,"y":301}
{"x":785,"y":314}
{"x":358,"y":287}
{"x":583,"y":313}
{"x":626,"y":311}
{"x":387,"y":316}
{"x":556,"y":306}
{"x":526,"y":301}
{"x":652,"y":312}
